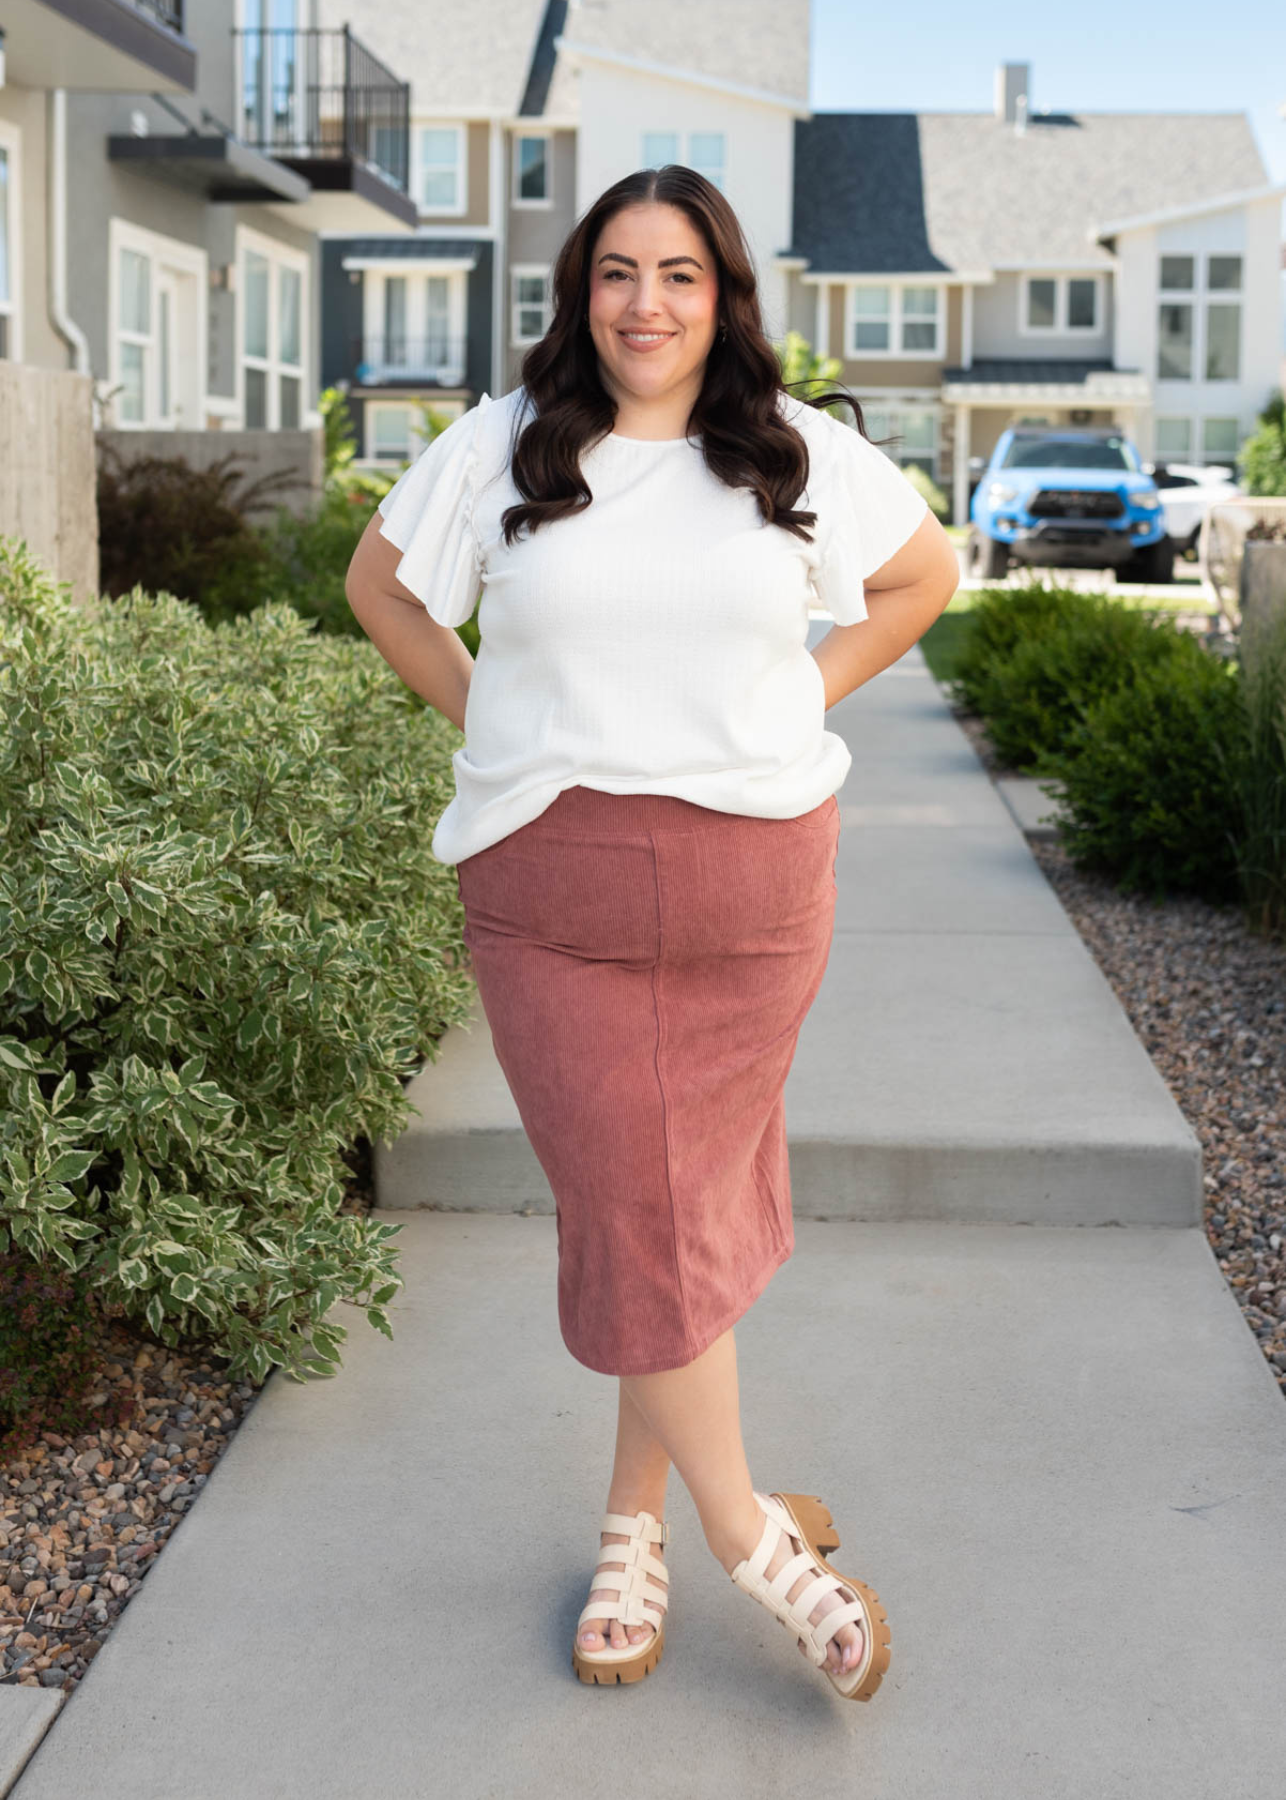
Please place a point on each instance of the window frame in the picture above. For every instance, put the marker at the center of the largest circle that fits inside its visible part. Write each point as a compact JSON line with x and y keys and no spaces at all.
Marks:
{"x":1062,"y":280}
{"x":524,"y":202}
{"x":376,"y":274}
{"x":278,"y":256}
{"x":528,"y":271}
{"x":398,"y":403}
{"x":897,"y":318}
{"x":176,"y":257}
{"x":684,"y":153}
{"x":460,"y":128}
{"x":892,"y":412}
{"x":1200,"y":299}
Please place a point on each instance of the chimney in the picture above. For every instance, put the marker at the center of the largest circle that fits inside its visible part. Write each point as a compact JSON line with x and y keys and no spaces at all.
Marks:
{"x":1012,"y":99}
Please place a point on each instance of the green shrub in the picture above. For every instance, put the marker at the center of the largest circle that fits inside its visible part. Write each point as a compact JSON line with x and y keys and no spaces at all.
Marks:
{"x":999,"y":620}
{"x":924,"y":483}
{"x":224,"y":946}
{"x":173,"y":529}
{"x":1262,"y":457}
{"x":1033,"y":697}
{"x":1151,"y":777}
{"x":1261,"y":850}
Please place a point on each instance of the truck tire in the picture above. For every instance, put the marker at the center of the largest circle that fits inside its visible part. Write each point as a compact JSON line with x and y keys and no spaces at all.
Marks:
{"x":988,"y":559}
{"x":1154,"y":564}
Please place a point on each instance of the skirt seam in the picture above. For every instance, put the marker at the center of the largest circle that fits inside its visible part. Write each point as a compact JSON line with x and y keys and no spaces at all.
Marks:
{"x":659,"y":1016}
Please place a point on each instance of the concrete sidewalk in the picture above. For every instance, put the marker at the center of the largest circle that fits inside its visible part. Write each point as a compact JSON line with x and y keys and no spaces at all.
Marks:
{"x":965,"y":1058}
{"x":1055,"y":1452}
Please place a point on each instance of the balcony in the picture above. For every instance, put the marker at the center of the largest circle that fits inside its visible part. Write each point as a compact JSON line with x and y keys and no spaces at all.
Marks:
{"x":99,"y":46}
{"x":389,"y":360}
{"x":320,"y":102}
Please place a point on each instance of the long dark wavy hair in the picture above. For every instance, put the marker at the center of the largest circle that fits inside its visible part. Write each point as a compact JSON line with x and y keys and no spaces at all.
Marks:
{"x":746,"y":441}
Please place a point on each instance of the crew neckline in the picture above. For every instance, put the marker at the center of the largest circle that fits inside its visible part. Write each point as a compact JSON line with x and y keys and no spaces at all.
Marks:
{"x":659,"y":443}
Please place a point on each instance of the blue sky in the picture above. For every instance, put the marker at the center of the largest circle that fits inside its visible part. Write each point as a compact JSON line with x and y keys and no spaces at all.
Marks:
{"x":934,"y":57}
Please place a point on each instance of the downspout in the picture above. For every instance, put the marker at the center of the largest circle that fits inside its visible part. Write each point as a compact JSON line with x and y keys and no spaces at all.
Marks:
{"x":56,"y":232}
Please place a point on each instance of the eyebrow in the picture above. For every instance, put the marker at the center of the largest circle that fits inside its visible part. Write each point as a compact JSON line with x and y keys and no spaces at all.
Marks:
{"x":666,"y":262}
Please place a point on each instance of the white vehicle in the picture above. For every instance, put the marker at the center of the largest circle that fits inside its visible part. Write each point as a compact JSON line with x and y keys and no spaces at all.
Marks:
{"x":1187,"y":490}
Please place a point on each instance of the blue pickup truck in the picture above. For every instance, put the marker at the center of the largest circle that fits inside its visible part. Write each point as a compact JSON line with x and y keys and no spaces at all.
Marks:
{"x":1068,"y":497}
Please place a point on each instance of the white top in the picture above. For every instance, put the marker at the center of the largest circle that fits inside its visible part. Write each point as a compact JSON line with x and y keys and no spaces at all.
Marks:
{"x":654,"y":642}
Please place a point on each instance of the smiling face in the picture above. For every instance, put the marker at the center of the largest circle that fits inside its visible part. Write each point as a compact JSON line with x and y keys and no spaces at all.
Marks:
{"x":653,"y":311}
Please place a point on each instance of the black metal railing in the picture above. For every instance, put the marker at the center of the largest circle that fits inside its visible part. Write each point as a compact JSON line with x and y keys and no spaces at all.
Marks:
{"x":388,"y":356}
{"x":321,"y":93}
{"x":166,"y":12}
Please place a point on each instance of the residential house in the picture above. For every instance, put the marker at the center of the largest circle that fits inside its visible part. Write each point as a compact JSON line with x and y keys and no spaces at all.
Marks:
{"x":169,"y":167}
{"x":524,"y":109}
{"x":976,"y":270}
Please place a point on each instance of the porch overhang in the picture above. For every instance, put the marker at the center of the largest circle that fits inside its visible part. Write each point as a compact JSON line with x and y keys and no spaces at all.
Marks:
{"x":216,"y":168}
{"x":1010,"y":382}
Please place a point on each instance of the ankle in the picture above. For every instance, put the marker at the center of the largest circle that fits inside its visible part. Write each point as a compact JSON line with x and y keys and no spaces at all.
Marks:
{"x":632,"y":1504}
{"x":733,"y":1537}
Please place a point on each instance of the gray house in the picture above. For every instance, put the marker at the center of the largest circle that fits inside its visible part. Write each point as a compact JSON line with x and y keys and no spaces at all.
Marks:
{"x":169,"y":168}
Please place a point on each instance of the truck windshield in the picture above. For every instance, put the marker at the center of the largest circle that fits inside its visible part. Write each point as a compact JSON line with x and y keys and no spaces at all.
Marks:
{"x":1070,"y":453}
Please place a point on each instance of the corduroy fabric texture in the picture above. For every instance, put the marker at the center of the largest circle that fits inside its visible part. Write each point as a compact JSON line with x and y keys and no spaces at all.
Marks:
{"x":645,"y":965}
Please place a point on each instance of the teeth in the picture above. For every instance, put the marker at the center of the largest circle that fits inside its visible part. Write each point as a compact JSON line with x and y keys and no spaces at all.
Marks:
{"x":644,"y":337}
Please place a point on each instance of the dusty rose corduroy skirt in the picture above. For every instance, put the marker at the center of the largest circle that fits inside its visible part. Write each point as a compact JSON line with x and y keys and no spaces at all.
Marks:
{"x":645,"y":965}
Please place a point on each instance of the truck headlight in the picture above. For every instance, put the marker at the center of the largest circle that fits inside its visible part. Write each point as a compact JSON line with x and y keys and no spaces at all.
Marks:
{"x":998,"y":492}
{"x":1147,"y":501}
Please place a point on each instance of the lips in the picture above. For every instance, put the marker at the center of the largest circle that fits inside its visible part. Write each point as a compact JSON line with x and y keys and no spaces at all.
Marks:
{"x":654,"y":343}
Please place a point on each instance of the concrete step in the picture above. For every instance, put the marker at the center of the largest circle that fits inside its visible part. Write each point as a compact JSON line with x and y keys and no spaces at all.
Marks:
{"x":1056,"y":1454}
{"x":964,"y":1059}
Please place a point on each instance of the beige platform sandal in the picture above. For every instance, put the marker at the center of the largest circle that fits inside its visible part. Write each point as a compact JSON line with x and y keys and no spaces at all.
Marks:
{"x":807,"y":1525}
{"x":634,"y":1593}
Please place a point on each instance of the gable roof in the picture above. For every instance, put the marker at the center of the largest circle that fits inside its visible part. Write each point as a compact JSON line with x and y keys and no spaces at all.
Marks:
{"x":756,"y":44}
{"x":459,"y":60}
{"x":887,"y":193}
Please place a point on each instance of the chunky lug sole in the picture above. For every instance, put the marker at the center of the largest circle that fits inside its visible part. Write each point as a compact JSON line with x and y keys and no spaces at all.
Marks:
{"x":807,"y":1518}
{"x":639,"y":1583}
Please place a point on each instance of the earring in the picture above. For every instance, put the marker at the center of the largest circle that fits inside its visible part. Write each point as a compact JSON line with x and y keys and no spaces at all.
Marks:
{"x":723,"y":331}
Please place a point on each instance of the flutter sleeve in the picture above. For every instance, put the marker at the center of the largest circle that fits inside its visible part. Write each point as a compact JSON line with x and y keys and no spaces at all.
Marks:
{"x":428,"y":515}
{"x":867,"y":509}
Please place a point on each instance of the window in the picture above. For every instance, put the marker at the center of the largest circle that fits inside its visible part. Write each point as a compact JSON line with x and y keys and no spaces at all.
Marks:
{"x":439,"y":184}
{"x":1203,"y":331}
{"x":272,"y":333}
{"x":706,"y":152}
{"x":413,"y":319}
{"x":1220,"y":440}
{"x":156,"y":328}
{"x":529,"y":310}
{"x":886,"y":319}
{"x":916,"y":429}
{"x":1174,"y":440}
{"x":1059,"y":303}
{"x":397,"y":431}
{"x":532,"y":172}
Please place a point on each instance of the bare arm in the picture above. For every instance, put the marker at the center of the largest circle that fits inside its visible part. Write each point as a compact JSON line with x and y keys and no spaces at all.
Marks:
{"x":903,"y":598}
{"x":430,"y":658}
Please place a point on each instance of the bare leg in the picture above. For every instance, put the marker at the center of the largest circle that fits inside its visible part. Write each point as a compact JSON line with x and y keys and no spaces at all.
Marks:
{"x":639,"y":1476}
{"x":694,"y":1412}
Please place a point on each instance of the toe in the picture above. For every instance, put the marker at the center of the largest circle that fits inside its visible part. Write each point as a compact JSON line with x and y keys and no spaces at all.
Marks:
{"x":591,"y":1637}
{"x":619,"y":1639}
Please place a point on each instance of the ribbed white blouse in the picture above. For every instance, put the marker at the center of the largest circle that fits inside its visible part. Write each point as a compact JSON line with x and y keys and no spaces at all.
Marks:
{"x":654,"y":642}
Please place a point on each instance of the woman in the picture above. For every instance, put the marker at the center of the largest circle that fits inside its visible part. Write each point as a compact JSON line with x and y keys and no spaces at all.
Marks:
{"x":645,"y":830}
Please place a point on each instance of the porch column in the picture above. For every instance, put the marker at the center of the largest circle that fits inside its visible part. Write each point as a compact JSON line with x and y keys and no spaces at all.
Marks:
{"x":960,"y":472}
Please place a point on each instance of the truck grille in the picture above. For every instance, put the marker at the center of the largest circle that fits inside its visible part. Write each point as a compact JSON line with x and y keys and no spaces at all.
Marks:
{"x":1071,"y":503}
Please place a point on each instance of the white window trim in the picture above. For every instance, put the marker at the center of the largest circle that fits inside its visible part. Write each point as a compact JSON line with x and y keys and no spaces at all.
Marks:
{"x":1060,"y":327}
{"x":11,"y":144}
{"x":517,"y":200}
{"x":462,"y":168}
{"x":685,"y":150}
{"x":276,"y":253}
{"x":537,"y":269}
{"x":188,"y":259}
{"x":895,"y":410}
{"x":1200,"y":297}
{"x":1172,"y":418}
{"x":851,"y":353}
{"x":452,"y":409}
{"x":376,"y":274}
